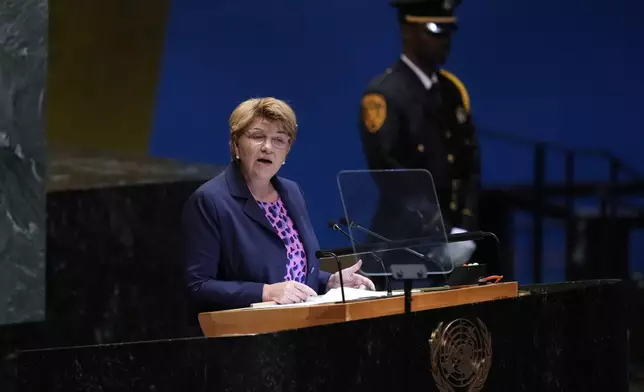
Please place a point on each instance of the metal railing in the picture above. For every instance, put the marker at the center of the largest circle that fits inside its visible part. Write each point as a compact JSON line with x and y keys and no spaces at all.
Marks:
{"x":608,"y":192}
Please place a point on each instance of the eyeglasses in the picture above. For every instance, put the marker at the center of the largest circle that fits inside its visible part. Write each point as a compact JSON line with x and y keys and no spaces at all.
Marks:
{"x":258,"y":138}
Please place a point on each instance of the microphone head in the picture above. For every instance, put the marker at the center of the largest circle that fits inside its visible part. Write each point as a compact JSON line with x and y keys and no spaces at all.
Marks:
{"x":344,"y":221}
{"x":332,"y":224}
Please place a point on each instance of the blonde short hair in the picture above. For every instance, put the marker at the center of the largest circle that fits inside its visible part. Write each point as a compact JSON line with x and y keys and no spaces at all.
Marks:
{"x":268,"y":108}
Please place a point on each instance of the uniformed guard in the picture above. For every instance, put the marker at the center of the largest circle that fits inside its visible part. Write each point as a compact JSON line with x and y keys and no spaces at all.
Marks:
{"x":416,"y":115}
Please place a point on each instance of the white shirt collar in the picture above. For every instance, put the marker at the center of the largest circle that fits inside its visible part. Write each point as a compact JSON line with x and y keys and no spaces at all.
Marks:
{"x":425,"y":80}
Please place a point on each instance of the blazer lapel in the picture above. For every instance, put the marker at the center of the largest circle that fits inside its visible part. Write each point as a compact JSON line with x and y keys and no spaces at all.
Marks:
{"x":252,"y":210}
{"x":239,"y":189}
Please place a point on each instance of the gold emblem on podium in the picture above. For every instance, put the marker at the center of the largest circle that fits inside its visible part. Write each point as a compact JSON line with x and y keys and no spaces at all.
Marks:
{"x":461,"y":355}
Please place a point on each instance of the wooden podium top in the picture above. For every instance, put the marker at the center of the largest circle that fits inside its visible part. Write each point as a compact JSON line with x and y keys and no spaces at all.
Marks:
{"x":250,"y":321}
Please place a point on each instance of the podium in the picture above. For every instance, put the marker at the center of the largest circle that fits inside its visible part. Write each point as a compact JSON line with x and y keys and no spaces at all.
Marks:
{"x":281,"y":318}
{"x":499,"y":337}
{"x":559,"y":337}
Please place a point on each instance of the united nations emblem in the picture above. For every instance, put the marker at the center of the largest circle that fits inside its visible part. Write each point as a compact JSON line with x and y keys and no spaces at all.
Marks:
{"x":461,"y":355}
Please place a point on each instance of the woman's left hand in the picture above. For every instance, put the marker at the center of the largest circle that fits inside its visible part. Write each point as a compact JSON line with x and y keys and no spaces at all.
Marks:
{"x":351,"y":279}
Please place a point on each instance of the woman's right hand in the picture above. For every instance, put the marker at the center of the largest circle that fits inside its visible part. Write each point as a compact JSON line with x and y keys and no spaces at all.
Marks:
{"x":288,"y":292}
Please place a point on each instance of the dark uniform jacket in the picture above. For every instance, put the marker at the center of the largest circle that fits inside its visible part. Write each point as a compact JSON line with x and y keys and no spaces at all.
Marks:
{"x":404,"y":125}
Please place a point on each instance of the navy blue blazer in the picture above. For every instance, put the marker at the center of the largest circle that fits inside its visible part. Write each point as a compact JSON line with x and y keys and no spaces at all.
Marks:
{"x":232,"y":250}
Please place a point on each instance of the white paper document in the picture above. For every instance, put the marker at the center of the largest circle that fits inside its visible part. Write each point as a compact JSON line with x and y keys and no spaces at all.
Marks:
{"x":335,"y":295}
{"x":350,"y":294}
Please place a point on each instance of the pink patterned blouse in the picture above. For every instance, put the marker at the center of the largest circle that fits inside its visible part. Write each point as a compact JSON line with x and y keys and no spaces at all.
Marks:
{"x":277,"y":215}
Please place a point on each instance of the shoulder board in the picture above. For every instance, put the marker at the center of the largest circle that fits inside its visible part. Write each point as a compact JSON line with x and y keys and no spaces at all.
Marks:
{"x":460,"y":86}
{"x":378,"y":80}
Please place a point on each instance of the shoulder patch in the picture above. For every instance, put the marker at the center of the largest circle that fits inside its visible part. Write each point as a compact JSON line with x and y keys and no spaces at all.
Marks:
{"x":460,"y":86}
{"x":374,"y":111}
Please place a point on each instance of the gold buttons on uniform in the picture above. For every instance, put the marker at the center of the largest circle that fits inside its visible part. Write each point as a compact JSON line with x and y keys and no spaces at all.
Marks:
{"x":453,"y":206}
{"x":467,"y":212}
{"x":421,"y":148}
{"x":450,"y":158}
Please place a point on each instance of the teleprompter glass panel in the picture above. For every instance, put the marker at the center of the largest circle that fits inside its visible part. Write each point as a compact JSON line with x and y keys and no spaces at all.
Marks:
{"x":394,"y":218}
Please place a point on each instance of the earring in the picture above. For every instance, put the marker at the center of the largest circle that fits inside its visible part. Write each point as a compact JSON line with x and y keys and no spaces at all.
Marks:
{"x":237,"y":156}
{"x":283,"y":162}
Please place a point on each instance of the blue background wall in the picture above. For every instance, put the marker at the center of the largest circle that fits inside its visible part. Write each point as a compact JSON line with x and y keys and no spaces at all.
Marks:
{"x":568,"y":73}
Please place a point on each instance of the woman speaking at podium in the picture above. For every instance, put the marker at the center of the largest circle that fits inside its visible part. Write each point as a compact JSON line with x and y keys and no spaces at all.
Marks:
{"x":248,"y":237}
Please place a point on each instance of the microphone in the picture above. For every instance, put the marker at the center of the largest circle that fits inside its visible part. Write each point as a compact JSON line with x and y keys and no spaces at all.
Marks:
{"x":451,"y":238}
{"x":387,"y":245}
{"x":346,"y":222}
{"x":334,"y":226}
{"x":325,"y":253}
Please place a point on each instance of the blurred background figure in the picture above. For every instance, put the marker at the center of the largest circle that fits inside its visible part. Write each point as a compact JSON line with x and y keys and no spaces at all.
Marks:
{"x":416,"y":115}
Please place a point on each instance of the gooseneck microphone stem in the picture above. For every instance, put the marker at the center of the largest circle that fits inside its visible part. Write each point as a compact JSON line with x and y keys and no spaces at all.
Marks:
{"x":350,"y":224}
{"x":451,"y":238}
{"x":339,"y":266}
{"x":335,"y":227}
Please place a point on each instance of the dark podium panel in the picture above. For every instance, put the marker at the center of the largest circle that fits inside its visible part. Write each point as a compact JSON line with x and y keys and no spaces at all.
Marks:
{"x":562,"y":337}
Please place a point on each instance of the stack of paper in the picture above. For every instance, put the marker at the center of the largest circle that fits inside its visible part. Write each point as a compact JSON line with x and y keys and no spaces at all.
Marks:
{"x":333,"y":296}
{"x":350,"y":294}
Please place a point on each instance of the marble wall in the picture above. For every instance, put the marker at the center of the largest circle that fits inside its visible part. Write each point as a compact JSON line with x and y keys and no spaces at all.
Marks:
{"x":23,"y":56}
{"x":114,"y":270}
